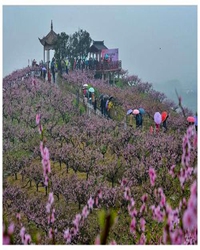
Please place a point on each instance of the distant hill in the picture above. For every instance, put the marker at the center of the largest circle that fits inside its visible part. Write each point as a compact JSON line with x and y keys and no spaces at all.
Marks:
{"x":189,"y":95}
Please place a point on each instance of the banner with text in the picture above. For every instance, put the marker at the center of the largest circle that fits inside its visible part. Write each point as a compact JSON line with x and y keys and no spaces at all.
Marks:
{"x":110,"y":54}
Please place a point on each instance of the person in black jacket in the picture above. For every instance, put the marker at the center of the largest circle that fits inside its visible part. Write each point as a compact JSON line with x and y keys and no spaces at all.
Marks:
{"x":165,"y":124}
{"x":137,"y":119}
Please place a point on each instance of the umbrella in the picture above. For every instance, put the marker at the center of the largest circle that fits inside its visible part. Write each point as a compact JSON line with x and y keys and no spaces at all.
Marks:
{"x":106,"y":96}
{"x":110,"y":97}
{"x":164,"y":116}
{"x":141,"y":110}
{"x":157,"y":118}
{"x":195,"y":120}
{"x":101,"y":96}
{"x":191,"y":119}
{"x":91,"y":90}
{"x":136,"y":111}
{"x":129,"y":111}
{"x":85,"y":85}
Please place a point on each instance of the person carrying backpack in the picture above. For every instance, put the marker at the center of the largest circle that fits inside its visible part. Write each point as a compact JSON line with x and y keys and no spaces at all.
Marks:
{"x":109,"y":107}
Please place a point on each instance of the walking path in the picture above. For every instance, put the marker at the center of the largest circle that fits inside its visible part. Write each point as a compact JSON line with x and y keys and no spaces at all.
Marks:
{"x":90,"y":110}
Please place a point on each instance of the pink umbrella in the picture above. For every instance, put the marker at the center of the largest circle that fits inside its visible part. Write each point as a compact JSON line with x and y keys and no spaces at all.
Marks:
{"x":157,"y":118}
{"x":191,"y":119}
{"x":136,"y":111}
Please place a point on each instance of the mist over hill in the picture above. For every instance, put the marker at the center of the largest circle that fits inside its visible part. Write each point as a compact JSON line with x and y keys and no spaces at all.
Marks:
{"x":188,"y":94}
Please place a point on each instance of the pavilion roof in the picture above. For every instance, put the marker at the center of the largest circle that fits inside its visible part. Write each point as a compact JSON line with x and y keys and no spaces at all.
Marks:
{"x":97,"y":46}
{"x":50,"y":38}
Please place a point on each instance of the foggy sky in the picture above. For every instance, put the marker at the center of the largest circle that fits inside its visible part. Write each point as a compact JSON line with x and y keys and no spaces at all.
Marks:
{"x":138,"y":31}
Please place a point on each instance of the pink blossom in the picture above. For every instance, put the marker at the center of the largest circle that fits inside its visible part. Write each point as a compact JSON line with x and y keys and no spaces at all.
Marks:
{"x":51,"y":198}
{"x":27,"y":239}
{"x":127,"y":193}
{"x":133,"y":212}
{"x":45,"y":154}
{"x":74,"y":231}
{"x":123,"y":183}
{"x":182,"y":177}
{"x":113,"y":242}
{"x":97,"y":240}
{"x":85,"y":212}
{"x":164,"y":236}
{"x":142,"y":240}
{"x":50,"y":233}
{"x":48,"y":207}
{"x":144,"y":198}
{"x":11,"y":228}
{"x":195,"y":141}
{"x":186,"y":151}
{"x":193,"y":189}
{"x":46,"y":180}
{"x":18,"y":216}
{"x":90,"y":203}
{"x":131,"y":205}
{"x":176,"y":237}
{"x":157,"y":213}
{"x":22,"y":233}
{"x":53,"y":216}
{"x":143,"y":208}
{"x":189,"y":220}
{"x":6,"y":240}
{"x":152,"y":175}
{"x":171,"y":171}
{"x":192,"y":203}
{"x":67,"y":236}
{"x":40,"y":128}
{"x":77,"y":220}
{"x":96,"y":201}
{"x":38,"y":119}
{"x":99,"y":194}
{"x":163,"y":200}
{"x":142,"y":224}
{"x":133,"y":225}
{"x":41,"y":147}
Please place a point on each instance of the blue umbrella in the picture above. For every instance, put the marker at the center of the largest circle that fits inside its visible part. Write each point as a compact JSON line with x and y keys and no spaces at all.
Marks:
{"x":129,"y":111}
{"x":142,"y":111}
{"x":195,"y":120}
{"x":91,"y":90}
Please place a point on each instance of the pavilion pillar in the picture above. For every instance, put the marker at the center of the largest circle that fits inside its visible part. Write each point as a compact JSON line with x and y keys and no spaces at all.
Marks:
{"x":113,"y":78}
{"x":44,"y":56}
{"x":48,"y":57}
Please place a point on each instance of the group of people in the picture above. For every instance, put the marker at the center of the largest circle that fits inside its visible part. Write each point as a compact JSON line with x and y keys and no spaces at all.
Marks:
{"x":106,"y":102}
{"x":159,"y":119}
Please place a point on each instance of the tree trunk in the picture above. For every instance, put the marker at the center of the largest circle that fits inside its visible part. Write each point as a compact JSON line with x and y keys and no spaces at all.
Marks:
{"x":112,"y":182}
{"x":67,"y":167}
{"x":15,"y":176}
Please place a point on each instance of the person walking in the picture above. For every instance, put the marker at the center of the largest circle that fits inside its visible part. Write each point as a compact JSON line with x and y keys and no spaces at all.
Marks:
{"x":137,"y":119}
{"x":53,"y":69}
{"x":66,"y":66}
{"x":165,"y":124}
{"x":44,"y":71}
{"x":95,"y":105}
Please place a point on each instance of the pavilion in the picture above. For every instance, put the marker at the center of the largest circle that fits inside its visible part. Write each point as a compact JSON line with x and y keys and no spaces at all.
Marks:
{"x":95,"y":50}
{"x":48,"y":42}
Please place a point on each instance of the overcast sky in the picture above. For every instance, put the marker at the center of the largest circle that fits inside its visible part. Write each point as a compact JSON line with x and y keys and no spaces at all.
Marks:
{"x":138,"y":31}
